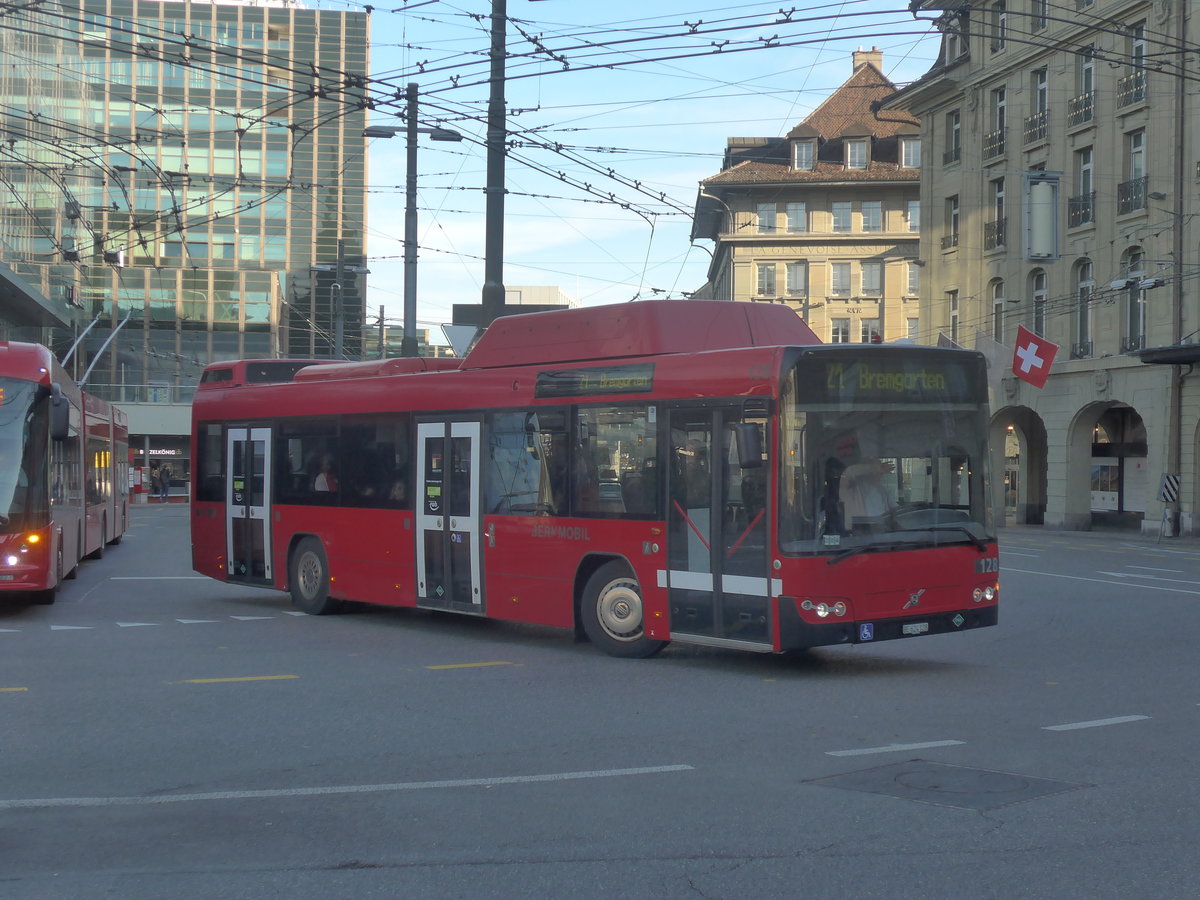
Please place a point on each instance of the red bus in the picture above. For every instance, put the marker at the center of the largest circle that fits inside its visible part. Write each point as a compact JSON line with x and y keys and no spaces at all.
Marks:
{"x":64,"y":483}
{"x":692,"y":471}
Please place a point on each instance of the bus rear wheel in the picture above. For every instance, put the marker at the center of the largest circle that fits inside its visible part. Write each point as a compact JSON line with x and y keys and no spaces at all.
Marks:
{"x":613,"y":615}
{"x":308,"y":579}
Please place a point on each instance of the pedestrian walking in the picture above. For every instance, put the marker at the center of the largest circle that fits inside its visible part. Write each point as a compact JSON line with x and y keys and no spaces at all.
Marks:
{"x":164,"y":476}
{"x":155,"y":482}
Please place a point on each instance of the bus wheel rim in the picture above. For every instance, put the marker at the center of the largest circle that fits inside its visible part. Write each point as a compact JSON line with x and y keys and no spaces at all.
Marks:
{"x":619,"y":610}
{"x":310,"y":574}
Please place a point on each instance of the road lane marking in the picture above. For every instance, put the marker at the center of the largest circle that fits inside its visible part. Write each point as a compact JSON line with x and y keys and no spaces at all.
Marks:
{"x":250,"y":618}
{"x":892,"y":748}
{"x":478,"y":665}
{"x":1095,"y":723}
{"x":338,"y":789}
{"x":13,"y":690}
{"x":196,"y":621}
{"x":243,"y":678}
{"x":1156,"y":569}
{"x":159,"y":578}
{"x":135,"y":624}
{"x":72,"y":627}
{"x":1149,"y":577}
{"x":1144,"y":587}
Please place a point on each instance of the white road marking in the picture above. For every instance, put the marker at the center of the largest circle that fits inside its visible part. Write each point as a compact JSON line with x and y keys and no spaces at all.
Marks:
{"x":11,"y":630}
{"x":892,"y":748}
{"x":1156,"y":569}
{"x":47,"y":802}
{"x":135,"y":624}
{"x":159,"y":578}
{"x":196,"y":621}
{"x":250,"y":618}
{"x":1016,"y":553}
{"x":1095,"y":723}
{"x":1144,"y":587}
{"x":72,"y":627}
{"x":1149,"y":577}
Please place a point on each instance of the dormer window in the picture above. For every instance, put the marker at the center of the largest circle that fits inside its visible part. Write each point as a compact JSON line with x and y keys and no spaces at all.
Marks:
{"x":856,"y":153}
{"x":910,"y":152}
{"x":804,"y":155}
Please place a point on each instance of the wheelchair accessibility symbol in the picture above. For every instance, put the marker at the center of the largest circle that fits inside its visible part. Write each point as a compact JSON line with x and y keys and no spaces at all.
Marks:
{"x":866,"y":632}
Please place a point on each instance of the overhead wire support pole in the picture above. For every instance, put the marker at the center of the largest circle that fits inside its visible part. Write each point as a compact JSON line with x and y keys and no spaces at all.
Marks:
{"x":493,"y":266}
{"x":103,"y":347}
{"x":408,"y":344}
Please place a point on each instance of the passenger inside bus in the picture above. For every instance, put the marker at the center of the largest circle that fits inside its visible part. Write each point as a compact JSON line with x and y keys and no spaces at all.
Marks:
{"x":326,"y":480}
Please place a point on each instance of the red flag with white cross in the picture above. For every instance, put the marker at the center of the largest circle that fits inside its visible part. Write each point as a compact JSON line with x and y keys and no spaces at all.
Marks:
{"x":1032,"y":357}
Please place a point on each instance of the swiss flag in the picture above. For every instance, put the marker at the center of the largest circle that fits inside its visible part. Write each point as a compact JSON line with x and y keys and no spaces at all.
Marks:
{"x":1032,"y":357}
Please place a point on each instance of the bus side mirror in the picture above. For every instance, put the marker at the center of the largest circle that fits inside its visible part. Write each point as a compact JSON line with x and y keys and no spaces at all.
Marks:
{"x":749,"y":445}
{"x":60,"y":414}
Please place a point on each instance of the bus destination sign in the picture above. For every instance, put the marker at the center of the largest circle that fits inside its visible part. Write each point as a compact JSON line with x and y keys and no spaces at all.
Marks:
{"x":594,"y":382}
{"x":885,"y":377}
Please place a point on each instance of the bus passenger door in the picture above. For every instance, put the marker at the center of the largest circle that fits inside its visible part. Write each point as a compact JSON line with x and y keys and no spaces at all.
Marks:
{"x":717,"y":529}
{"x":448,"y":516}
{"x":247,"y":502}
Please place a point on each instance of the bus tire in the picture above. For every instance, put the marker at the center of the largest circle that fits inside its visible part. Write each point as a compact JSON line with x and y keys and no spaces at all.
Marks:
{"x":613,"y":614}
{"x":98,"y":553}
{"x":46,"y":597}
{"x":308,"y":579}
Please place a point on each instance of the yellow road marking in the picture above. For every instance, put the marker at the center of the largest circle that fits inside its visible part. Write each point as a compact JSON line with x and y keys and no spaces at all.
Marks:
{"x":12,"y":690}
{"x":478,"y":665}
{"x":246,"y":678}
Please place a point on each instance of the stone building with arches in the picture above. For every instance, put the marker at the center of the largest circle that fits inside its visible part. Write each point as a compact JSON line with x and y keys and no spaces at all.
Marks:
{"x":1061,"y":179}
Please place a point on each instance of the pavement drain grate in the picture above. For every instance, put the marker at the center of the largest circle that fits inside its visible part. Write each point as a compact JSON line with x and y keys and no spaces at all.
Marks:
{"x":940,"y":784}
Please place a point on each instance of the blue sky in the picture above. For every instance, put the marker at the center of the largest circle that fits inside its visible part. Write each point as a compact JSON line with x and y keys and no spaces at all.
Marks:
{"x":618,"y":115}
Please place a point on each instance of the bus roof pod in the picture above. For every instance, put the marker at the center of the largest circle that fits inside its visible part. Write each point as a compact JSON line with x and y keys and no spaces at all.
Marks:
{"x":644,"y":328}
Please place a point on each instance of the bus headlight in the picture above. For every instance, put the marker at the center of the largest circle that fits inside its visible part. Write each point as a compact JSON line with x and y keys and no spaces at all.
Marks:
{"x":824,"y":610}
{"x":11,"y":560}
{"x":979,"y":595}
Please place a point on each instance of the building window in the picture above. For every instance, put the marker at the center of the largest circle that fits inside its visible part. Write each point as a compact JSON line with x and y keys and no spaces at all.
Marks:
{"x":856,"y":154}
{"x":766,"y":218}
{"x":953,"y":151}
{"x":999,"y":25}
{"x":797,"y":217}
{"x":839,"y":331}
{"x":1134,"y":301}
{"x":804,"y":155}
{"x":913,"y":214}
{"x":913,"y":328}
{"x":913,"y":285}
{"x":993,"y":140}
{"x":996,"y":289}
{"x":797,"y":279}
{"x":1084,"y":288}
{"x":872,"y":215}
{"x":994,"y":231}
{"x":1037,"y":290}
{"x":841,"y":216}
{"x":1131,"y":88}
{"x":952,"y":303}
{"x":766,"y":280}
{"x":869,"y":332}
{"x":839,"y":279}
{"x":1040,"y":14}
{"x":910,"y":153}
{"x":1131,"y":193}
{"x":1081,"y":108}
{"x":1037,"y":122}
{"x":1081,"y":205}
{"x":872,"y":278}
{"x":950,"y":224}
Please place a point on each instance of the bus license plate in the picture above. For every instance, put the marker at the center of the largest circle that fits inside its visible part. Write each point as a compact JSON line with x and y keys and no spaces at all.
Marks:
{"x":914,"y":628}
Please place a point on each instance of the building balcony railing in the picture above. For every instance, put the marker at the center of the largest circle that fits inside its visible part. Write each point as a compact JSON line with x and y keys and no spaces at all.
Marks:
{"x":1082,"y":350}
{"x":993,"y":144}
{"x":1081,"y":209}
{"x":1081,"y":109}
{"x":1134,"y":342}
{"x":993,"y":233}
{"x":1036,"y":127}
{"x":1131,"y":89}
{"x":949,"y":241}
{"x":951,"y":156}
{"x":1131,"y":194}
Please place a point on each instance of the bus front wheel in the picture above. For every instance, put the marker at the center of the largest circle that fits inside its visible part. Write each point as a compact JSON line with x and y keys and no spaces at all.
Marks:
{"x":308,"y":579}
{"x":47,"y":596}
{"x":613,"y":614}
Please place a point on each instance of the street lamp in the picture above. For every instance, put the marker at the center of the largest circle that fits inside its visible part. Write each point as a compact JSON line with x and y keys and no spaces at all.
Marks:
{"x":408,"y":345}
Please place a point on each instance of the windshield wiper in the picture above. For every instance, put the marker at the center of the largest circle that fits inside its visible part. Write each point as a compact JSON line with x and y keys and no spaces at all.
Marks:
{"x":865,"y":548}
{"x":979,"y":542}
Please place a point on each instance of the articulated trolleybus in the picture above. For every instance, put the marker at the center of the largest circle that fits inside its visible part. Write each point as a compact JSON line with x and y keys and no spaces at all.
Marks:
{"x":692,"y":471}
{"x":64,"y":472}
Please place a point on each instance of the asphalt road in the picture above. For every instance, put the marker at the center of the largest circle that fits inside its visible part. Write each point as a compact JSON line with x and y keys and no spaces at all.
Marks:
{"x":167,"y":736}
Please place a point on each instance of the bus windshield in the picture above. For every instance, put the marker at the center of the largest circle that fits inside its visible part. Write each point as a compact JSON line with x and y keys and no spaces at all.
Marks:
{"x":23,"y":434}
{"x":884,"y":448}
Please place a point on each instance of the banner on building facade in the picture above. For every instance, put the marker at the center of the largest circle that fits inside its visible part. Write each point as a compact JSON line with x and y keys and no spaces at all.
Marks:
{"x":1032,"y":357}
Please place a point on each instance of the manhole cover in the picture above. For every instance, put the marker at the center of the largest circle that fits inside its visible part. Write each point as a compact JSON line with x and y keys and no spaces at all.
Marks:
{"x":959,"y":787}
